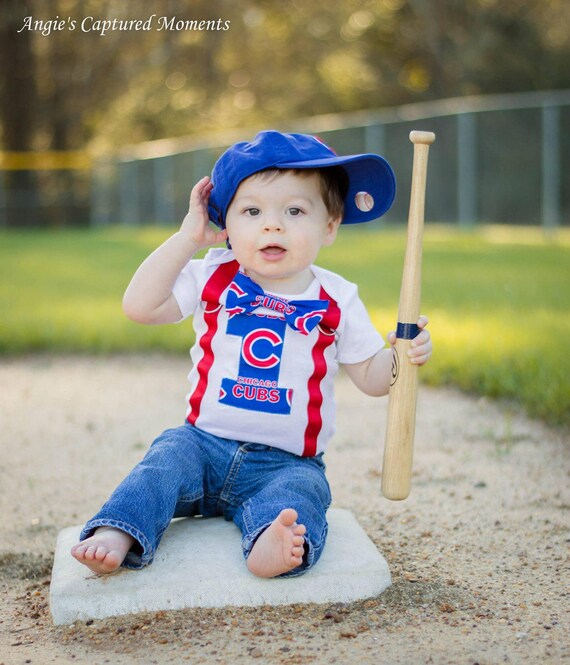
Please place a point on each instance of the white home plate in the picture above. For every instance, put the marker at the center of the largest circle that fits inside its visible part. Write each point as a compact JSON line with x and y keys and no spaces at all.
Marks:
{"x":199,"y":564}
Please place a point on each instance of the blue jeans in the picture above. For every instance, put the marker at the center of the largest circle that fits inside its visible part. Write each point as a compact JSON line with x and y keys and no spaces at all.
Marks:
{"x":188,"y":472}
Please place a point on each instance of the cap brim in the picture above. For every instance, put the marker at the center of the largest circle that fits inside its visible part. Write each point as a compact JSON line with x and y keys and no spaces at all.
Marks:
{"x":367,"y":173}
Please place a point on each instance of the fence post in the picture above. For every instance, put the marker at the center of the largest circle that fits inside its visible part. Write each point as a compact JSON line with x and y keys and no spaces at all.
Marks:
{"x":163,"y":171}
{"x":374,"y":139}
{"x":128,"y":193}
{"x":466,"y":168}
{"x":550,"y":167}
{"x":99,"y":193}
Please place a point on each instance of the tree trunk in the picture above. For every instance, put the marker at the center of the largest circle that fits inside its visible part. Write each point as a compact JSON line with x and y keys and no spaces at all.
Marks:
{"x":17,"y":105}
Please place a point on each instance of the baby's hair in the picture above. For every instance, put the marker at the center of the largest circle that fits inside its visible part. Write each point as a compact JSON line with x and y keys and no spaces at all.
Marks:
{"x":333,"y":180}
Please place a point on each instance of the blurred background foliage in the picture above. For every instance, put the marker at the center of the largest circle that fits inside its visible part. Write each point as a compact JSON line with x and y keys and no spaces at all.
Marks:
{"x":71,"y":90}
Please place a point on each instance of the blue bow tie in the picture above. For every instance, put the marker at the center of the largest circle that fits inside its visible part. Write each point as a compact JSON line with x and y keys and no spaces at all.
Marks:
{"x":244,"y":295}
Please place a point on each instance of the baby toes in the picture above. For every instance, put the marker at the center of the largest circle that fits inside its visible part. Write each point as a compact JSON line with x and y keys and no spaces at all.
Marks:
{"x":299,"y":529}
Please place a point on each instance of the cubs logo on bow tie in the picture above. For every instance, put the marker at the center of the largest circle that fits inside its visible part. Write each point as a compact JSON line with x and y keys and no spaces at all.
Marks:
{"x":244,"y":295}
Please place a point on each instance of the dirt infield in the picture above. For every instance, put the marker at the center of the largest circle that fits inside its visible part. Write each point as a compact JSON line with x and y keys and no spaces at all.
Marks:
{"x":478,"y":553}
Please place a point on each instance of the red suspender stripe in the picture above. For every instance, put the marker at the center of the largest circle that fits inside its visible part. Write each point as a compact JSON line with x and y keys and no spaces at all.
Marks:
{"x":213,"y":289}
{"x":330,"y":321}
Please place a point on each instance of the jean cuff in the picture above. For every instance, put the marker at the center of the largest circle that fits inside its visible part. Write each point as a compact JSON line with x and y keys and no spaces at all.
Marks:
{"x":133,"y":560}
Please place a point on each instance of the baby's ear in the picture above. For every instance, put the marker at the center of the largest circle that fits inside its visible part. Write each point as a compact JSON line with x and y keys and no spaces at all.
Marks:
{"x":332,"y":229}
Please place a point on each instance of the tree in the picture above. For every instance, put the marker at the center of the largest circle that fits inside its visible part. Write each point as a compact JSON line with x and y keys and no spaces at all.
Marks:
{"x":17,"y":110}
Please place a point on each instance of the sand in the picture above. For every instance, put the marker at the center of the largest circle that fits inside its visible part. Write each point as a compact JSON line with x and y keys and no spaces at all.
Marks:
{"x":478,"y":552}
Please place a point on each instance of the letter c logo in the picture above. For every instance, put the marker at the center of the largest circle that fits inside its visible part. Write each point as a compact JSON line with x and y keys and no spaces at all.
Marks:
{"x":256,"y":338}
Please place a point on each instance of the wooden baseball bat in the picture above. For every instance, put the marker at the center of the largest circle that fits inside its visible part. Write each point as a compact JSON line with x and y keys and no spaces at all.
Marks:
{"x":399,"y":445}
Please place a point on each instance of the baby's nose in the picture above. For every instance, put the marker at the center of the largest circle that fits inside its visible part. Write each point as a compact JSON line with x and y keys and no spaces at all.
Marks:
{"x":273,"y":221}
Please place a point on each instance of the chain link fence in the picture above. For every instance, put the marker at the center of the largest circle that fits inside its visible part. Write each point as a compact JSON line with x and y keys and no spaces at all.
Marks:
{"x":44,"y":189}
{"x":497,"y":159}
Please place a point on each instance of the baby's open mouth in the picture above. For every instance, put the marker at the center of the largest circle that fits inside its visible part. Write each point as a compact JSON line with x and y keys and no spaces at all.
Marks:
{"x":274,"y":250}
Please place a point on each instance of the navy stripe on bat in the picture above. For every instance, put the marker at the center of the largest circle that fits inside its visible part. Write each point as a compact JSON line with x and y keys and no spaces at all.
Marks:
{"x":407,"y":330}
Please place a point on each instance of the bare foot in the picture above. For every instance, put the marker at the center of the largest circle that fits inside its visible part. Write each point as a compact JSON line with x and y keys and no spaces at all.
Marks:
{"x":104,"y":551}
{"x":279,"y":548}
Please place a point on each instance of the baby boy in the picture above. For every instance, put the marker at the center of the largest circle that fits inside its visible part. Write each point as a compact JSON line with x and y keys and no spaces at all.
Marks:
{"x":271,"y":330}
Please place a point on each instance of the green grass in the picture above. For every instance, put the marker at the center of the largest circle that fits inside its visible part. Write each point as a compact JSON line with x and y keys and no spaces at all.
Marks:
{"x":498,"y":299}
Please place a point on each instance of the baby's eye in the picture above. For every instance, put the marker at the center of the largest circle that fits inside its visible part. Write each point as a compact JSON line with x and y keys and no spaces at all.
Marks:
{"x":252,"y":212}
{"x":294,"y":212}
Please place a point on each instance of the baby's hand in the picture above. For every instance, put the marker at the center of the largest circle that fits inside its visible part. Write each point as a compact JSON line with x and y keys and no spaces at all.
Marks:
{"x":196,"y":225}
{"x":421,"y":346}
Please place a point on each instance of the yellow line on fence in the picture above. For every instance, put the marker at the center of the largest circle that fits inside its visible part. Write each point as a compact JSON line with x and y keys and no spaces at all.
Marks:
{"x":45,"y":161}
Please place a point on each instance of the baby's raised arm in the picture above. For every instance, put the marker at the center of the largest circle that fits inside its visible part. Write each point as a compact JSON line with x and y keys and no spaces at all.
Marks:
{"x":148,"y":298}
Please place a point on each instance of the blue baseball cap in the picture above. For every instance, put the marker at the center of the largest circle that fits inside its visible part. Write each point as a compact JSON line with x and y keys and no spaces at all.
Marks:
{"x":371,"y":181}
